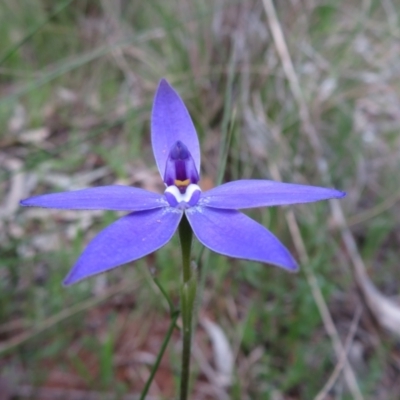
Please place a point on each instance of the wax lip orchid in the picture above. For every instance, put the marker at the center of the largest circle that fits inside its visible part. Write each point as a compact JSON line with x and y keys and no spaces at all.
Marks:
{"x":154,"y":218}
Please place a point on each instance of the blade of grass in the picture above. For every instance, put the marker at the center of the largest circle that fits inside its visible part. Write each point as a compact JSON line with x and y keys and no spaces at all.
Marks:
{"x":61,"y":316}
{"x":13,"y":49}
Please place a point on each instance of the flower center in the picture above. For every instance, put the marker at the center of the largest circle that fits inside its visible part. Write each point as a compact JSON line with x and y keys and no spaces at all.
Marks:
{"x":181,"y":178}
{"x":181,"y":200}
{"x":180,"y":169}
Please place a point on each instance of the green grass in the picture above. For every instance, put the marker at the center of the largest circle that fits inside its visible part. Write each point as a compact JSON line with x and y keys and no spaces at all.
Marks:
{"x":88,"y":72}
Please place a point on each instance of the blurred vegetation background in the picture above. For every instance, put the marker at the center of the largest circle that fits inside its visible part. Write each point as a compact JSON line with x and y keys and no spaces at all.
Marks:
{"x":317,"y":105}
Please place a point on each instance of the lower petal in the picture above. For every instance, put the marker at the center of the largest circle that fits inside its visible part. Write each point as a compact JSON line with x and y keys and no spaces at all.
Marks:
{"x":131,"y":237}
{"x":233,"y":234}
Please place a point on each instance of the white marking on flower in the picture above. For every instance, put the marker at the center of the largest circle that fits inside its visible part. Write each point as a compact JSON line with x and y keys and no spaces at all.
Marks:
{"x":161,"y":200}
{"x":166,"y":210}
{"x":197,"y":209}
{"x":185,"y":197}
{"x":204,"y":200}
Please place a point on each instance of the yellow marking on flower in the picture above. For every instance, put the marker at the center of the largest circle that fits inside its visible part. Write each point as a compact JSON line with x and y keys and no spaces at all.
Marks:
{"x":179,"y":183}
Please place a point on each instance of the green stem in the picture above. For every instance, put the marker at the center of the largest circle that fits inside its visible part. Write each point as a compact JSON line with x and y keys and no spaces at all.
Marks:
{"x":172,"y":324}
{"x":188,"y":296}
{"x":186,"y":235}
{"x":165,"y":294}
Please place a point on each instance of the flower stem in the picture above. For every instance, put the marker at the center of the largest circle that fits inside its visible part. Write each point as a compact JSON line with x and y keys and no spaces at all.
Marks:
{"x":188,"y":296}
{"x":172,"y":324}
{"x":174,"y":317}
{"x":186,"y":235}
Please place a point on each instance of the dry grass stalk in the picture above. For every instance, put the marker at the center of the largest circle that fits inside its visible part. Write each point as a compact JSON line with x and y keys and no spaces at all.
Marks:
{"x":311,"y":133}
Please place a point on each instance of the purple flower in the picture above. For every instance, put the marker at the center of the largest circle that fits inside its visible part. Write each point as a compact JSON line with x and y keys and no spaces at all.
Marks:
{"x":154,"y":217}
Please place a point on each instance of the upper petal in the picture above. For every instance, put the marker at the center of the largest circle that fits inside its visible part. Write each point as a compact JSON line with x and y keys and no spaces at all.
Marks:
{"x":129,"y":238}
{"x":120,"y":198}
{"x":234,"y":234}
{"x":258,"y":193}
{"x":170,"y":122}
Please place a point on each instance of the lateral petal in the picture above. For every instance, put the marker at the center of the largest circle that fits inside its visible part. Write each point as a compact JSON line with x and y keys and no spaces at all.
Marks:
{"x":260,"y":193}
{"x":126,"y":240}
{"x":116,"y":197}
{"x":171,"y":122}
{"x":233,"y":234}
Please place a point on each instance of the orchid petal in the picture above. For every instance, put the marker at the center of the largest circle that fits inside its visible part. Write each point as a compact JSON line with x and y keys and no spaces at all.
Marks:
{"x":171,"y":122}
{"x":120,"y":198}
{"x":233,"y":234}
{"x":260,"y":193}
{"x":126,"y":240}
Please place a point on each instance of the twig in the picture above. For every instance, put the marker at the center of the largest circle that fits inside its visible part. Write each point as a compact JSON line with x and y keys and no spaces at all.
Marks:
{"x":318,"y":297}
{"x":340,"y":365}
{"x":386,"y":312}
{"x":311,"y":133}
{"x":374,"y":211}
